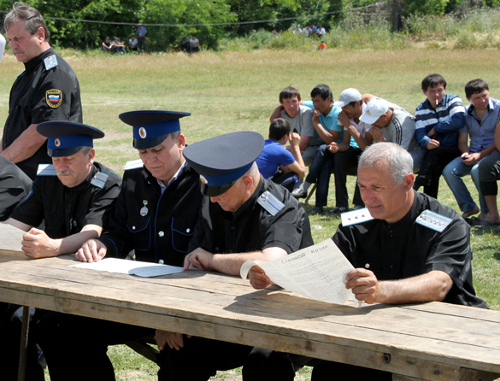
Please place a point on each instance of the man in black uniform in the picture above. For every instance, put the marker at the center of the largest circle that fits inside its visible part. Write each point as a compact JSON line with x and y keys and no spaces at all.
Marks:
{"x":72,"y":196}
{"x":14,"y":187}
{"x":47,"y":90}
{"x":243,"y":217}
{"x":412,"y":250}
{"x":155,"y":215}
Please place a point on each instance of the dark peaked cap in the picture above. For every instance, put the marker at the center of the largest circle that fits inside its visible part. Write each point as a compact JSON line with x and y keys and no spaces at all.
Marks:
{"x":222,"y":160}
{"x":67,"y":138}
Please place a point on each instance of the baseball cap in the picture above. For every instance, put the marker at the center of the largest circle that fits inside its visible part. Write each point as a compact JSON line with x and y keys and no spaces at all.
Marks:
{"x":347,"y":96}
{"x":374,"y":110}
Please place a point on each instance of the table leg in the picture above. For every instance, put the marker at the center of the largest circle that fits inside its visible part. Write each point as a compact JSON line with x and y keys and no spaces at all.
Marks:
{"x":24,"y":344}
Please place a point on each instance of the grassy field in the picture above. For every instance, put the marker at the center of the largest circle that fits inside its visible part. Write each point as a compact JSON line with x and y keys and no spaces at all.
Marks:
{"x":238,"y":90}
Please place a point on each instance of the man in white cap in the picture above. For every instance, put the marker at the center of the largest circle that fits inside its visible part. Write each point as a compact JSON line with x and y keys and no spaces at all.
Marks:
{"x":391,"y":123}
{"x":353,"y":105}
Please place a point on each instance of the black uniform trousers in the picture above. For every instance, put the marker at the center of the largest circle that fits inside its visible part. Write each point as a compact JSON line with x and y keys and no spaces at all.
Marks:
{"x":432,"y":166}
{"x":10,"y":339}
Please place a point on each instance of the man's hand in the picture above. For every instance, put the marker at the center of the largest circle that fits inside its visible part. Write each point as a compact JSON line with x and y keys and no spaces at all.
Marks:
{"x":433,"y":144}
{"x":344,"y":119}
{"x":258,"y":278}
{"x":470,"y":159}
{"x":364,"y":285}
{"x":316,"y":115}
{"x":333,"y":147}
{"x":199,"y":259}
{"x":173,"y":339}
{"x":37,"y":244}
{"x":376,"y":133}
{"x":91,"y":251}
{"x":294,"y":139}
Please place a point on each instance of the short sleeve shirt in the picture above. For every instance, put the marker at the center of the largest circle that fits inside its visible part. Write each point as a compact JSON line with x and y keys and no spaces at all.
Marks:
{"x":272,"y":156}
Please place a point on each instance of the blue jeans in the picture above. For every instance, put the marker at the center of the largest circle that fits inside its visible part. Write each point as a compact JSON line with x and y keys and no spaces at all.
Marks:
{"x":453,"y":174}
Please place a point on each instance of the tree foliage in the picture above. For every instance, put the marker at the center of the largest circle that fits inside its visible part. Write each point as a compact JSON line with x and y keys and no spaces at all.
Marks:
{"x":85,"y":23}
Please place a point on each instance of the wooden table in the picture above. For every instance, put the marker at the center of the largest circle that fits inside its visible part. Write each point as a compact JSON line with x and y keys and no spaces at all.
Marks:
{"x":432,"y":341}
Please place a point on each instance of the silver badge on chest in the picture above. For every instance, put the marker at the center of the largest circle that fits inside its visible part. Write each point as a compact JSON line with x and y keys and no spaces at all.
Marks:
{"x":144,"y":210}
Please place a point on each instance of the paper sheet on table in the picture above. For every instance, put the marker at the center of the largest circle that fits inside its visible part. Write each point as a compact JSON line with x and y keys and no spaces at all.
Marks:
{"x":317,"y":272}
{"x":125,"y":266}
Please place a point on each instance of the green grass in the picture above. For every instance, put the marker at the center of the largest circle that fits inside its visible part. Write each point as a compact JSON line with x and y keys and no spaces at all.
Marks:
{"x":232,"y":91}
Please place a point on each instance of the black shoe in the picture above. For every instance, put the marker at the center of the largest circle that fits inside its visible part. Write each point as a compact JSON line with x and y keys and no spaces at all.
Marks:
{"x":316,"y":210}
{"x":339,"y":210}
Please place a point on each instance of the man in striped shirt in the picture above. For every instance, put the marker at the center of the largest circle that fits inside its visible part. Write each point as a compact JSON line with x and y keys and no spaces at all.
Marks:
{"x":438,"y":120}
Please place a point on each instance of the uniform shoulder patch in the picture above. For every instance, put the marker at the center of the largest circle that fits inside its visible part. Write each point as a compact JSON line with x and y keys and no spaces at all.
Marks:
{"x":270,"y":203}
{"x":46,"y":170}
{"x":54,"y":98}
{"x":50,"y":62}
{"x":356,"y":217}
{"x":99,"y":180}
{"x":433,"y":220}
{"x":133,"y":164}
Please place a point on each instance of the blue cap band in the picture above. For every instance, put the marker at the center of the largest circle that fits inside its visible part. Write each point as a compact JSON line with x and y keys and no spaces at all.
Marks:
{"x":155,"y":130}
{"x":227,"y":177}
{"x":69,"y":141}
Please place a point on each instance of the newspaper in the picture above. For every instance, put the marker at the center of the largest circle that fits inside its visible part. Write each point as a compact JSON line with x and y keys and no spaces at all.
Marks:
{"x":317,"y":272}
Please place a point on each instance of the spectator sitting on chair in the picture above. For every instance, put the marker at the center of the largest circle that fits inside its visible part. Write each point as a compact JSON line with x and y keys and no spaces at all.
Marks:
{"x":300,"y":118}
{"x":326,"y":125}
{"x":481,"y":118}
{"x":355,"y":140}
{"x":277,"y":163}
{"x":438,"y":120}
{"x":391,"y":123}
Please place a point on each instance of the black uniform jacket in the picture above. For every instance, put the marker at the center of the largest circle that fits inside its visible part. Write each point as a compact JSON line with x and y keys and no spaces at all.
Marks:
{"x":38,"y":95}
{"x":157,"y":225}
{"x":406,"y":249}
{"x":253,"y":228}
{"x":67,"y":210}
{"x":14,"y":187}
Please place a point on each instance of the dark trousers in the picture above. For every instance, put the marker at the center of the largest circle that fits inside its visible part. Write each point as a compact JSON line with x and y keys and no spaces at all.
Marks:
{"x":345,"y":163}
{"x":75,"y":347}
{"x":86,"y":358}
{"x":11,"y":319}
{"x":432,"y":166}
{"x":200,"y":359}
{"x":326,"y":371}
{"x":489,"y":173}
{"x":319,"y":173}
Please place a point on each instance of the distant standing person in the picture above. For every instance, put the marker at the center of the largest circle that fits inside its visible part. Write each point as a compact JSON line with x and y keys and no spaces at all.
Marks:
{"x":141,"y":34}
{"x":46,"y":90}
{"x":132,"y":43}
{"x":194,"y":44}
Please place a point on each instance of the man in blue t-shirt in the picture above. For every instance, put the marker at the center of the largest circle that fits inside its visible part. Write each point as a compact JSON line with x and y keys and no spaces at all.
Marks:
{"x":283,"y":166}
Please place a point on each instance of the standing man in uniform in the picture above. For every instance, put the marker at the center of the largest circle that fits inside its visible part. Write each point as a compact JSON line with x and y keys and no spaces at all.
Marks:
{"x":243,"y":217}
{"x":72,"y":197}
{"x":154,"y":215}
{"x":47,"y":90}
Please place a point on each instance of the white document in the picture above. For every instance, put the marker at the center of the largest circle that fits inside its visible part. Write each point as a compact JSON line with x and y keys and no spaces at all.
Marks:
{"x":317,"y":272}
{"x":125,"y":266}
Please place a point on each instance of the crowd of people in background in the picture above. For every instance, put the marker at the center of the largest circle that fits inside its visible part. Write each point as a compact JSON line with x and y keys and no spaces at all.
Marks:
{"x":444,"y":138}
